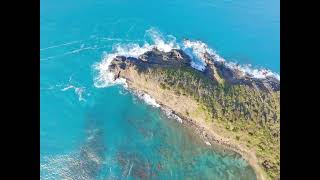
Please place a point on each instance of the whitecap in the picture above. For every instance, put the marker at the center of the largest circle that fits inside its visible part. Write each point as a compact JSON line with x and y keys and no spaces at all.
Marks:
{"x":197,"y":50}
{"x":147,"y":99}
{"x":105,"y":77}
{"x":169,"y":113}
{"x":160,"y":42}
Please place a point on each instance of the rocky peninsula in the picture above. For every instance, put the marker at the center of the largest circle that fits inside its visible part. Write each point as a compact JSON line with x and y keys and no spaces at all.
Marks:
{"x":223,"y":104}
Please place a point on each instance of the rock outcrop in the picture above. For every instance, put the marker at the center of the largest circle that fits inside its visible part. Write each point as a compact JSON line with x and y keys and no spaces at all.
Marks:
{"x":177,"y":58}
{"x":223,"y":100}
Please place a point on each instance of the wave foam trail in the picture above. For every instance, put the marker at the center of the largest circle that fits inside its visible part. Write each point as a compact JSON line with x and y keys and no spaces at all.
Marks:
{"x":60,"y":45}
{"x":78,"y":90}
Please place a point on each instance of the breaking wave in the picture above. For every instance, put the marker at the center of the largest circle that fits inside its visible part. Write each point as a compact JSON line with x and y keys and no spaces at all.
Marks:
{"x":147,"y":99}
{"x":169,"y":113}
{"x":151,"y":101}
{"x":197,"y":50}
{"x":105,"y":78}
{"x":155,"y":39}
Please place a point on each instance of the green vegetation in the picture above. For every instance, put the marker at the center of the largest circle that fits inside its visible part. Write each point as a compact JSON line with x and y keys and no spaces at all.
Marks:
{"x":162,"y":86}
{"x":250,"y":116}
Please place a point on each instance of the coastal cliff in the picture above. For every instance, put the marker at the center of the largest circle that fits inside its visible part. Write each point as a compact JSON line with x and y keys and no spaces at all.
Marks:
{"x":224,"y":104}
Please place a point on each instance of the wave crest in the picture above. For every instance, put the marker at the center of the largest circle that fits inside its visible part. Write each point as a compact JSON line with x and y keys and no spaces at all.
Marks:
{"x":105,"y":78}
{"x":148,"y":99}
{"x":195,"y":49}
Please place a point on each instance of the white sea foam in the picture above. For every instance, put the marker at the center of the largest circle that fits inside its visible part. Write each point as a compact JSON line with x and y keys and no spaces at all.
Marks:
{"x":151,"y":101}
{"x":105,"y":77}
{"x":258,"y":73}
{"x":111,"y":39}
{"x":60,"y":45}
{"x":160,"y":42}
{"x":170,"y":114}
{"x":78,"y":90}
{"x":154,"y":39}
{"x":75,"y":51}
{"x":207,"y":143}
{"x":197,"y":49}
{"x":123,"y":92}
{"x":148,"y":99}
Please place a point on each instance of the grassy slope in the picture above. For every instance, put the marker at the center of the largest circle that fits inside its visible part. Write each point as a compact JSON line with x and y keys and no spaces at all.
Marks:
{"x":249,"y":116}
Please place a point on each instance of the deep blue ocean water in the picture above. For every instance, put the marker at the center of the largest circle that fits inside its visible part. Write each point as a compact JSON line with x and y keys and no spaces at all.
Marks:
{"x":88,"y":132}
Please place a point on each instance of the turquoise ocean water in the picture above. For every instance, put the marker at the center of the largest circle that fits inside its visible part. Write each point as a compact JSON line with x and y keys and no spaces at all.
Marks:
{"x":92,"y":131}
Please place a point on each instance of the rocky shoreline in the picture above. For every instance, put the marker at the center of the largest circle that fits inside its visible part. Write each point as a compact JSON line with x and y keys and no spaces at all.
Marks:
{"x":139,"y":77}
{"x":213,"y":138}
{"x":208,"y":135}
{"x":215,"y":70}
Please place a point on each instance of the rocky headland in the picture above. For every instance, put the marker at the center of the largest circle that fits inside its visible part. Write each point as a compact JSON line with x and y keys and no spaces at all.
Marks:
{"x":223,"y":104}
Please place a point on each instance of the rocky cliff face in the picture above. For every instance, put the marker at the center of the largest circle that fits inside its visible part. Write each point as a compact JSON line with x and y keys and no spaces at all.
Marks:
{"x":235,"y":104}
